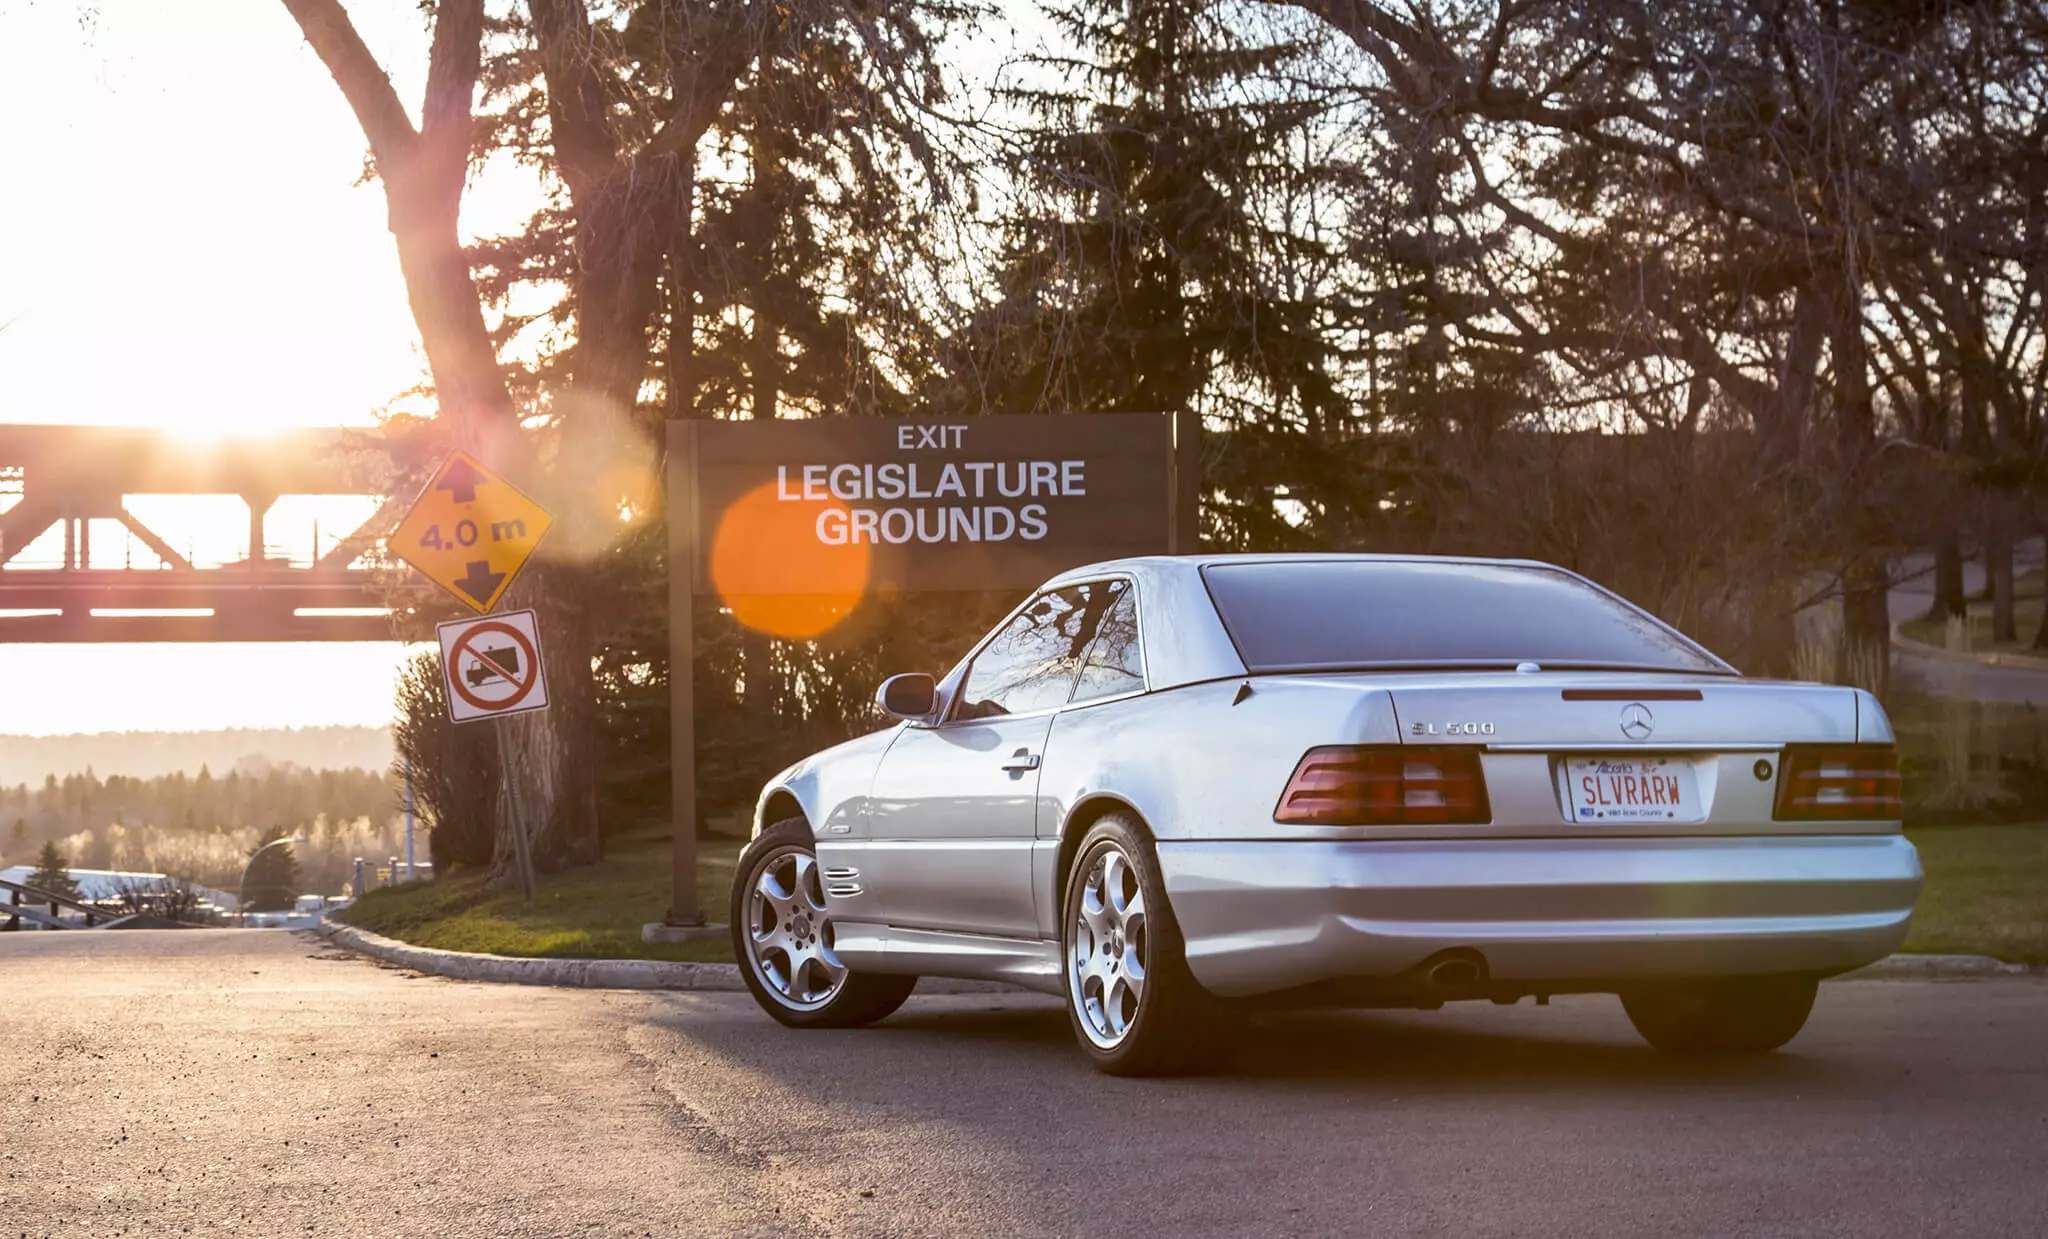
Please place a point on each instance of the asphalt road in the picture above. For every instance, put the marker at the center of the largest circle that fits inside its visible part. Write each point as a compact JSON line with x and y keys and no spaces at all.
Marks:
{"x":263,"y":1084}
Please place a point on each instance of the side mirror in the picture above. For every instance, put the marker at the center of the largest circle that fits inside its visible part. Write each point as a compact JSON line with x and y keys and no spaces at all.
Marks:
{"x":911,"y":696}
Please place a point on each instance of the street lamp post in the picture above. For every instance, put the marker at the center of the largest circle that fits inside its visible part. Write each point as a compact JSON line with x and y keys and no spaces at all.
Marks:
{"x":242,"y":889}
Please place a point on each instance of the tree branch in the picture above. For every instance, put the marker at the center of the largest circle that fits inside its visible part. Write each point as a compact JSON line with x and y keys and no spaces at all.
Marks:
{"x":362,"y":80}
{"x":578,"y":108}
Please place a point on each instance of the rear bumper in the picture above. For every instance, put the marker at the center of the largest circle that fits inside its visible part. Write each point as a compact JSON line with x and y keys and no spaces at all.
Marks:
{"x":1264,"y":916}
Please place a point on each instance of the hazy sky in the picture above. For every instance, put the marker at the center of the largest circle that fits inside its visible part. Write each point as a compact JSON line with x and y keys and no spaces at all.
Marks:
{"x":186,"y":246}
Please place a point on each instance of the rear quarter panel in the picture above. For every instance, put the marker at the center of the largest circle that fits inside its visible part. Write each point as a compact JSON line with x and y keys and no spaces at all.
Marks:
{"x":1196,"y":766}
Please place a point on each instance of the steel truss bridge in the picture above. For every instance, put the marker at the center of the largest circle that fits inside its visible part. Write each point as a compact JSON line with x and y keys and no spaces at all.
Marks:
{"x":67,"y":477}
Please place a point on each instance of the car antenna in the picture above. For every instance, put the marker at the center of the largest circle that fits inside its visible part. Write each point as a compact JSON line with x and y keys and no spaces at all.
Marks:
{"x":1244,"y":690}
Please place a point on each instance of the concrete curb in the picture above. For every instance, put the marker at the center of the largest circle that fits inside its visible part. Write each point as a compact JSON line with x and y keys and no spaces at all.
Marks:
{"x":664,"y":975}
{"x":506,"y":969}
{"x":658,"y":974}
{"x":1986,"y":658}
{"x":1934,"y":968}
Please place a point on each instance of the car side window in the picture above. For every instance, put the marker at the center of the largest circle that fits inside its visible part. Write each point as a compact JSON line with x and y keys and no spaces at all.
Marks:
{"x":1031,"y":664}
{"x":1113,"y":664}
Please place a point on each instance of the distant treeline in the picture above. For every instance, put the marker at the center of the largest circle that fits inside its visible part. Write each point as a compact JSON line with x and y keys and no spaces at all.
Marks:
{"x":290,"y":797}
{"x":145,"y":754}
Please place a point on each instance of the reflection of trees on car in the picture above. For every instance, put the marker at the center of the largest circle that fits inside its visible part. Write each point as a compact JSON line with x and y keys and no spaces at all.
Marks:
{"x":1036,"y":660}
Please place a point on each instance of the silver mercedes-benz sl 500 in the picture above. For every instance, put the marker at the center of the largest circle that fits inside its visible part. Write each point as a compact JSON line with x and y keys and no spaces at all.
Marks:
{"x":1172,"y":790}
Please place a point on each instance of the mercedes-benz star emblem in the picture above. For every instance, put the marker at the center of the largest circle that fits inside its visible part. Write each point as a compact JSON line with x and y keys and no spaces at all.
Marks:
{"x":1636,"y":722}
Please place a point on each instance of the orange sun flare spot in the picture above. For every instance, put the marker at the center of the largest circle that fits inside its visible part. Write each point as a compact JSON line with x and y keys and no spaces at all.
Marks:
{"x":769,"y":566}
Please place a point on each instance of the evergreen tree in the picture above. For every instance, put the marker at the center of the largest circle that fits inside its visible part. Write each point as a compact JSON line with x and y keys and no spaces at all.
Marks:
{"x":274,"y":879}
{"x":53,"y":873}
{"x":1165,"y":254}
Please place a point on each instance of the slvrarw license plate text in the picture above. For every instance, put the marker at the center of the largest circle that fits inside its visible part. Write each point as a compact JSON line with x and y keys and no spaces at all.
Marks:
{"x":1633,"y":789}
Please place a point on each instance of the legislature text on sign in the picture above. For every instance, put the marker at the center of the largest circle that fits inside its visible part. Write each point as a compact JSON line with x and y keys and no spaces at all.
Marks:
{"x":978,"y":503}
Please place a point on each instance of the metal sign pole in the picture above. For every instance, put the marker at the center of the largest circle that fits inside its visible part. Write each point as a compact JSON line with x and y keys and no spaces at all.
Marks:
{"x":522,"y":847}
{"x":682,"y":688}
{"x":1184,"y":486}
{"x":411,"y":871}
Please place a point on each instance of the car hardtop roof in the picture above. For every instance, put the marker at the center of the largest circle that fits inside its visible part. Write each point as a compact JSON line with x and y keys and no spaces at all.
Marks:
{"x":1193,"y":563}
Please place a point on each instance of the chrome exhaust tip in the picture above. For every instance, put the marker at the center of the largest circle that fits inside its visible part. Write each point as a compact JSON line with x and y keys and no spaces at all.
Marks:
{"x":1455,"y":973}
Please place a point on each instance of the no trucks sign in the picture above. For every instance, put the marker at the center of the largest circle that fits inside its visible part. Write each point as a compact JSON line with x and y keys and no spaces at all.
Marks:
{"x":491,"y":666}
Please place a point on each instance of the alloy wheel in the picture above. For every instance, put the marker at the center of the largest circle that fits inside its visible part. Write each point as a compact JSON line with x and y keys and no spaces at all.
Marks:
{"x":789,"y":933}
{"x":1106,"y":953}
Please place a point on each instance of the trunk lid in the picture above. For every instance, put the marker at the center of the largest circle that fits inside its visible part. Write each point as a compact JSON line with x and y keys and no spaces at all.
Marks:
{"x":1624,"y":713}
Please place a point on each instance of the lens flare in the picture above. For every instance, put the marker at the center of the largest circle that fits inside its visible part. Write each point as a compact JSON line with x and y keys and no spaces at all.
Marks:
{"x":775,"y":574}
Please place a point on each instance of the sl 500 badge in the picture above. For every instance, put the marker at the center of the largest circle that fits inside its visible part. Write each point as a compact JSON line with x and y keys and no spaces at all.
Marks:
{"x":1450,"y":729}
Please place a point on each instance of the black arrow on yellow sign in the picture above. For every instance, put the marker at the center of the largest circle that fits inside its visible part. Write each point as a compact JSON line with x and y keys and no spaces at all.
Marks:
{"x":481,"y":582}
{"x":460,"y":479}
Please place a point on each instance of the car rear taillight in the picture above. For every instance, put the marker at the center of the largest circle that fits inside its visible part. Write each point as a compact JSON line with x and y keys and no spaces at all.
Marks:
{"x":1838,"y":782}
{"x":1385,"y":785}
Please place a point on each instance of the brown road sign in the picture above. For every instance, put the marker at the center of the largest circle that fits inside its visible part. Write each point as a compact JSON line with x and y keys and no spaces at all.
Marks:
{"x":492,"y":666}
{"x":856,"y":504}
{"x":471,"y":531}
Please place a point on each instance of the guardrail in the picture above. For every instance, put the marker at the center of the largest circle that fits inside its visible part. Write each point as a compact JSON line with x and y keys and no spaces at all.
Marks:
{"x":16,"y":911}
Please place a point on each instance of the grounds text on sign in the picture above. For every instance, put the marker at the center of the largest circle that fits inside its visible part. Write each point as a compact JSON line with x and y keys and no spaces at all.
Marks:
{"x":471,"y":531}
{"x":995,"y":502}
{"x":491,"y":667}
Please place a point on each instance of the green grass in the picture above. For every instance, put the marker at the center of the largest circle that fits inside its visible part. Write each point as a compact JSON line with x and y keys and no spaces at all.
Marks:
{"x":590,"y":913}
{"x":1986,"y":893}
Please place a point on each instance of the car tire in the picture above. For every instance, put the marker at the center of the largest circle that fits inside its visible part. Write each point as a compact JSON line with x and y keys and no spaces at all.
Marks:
{"x":1732,"y":1015}
{"x":1135,"y":1008}
{"x":782,"y":938}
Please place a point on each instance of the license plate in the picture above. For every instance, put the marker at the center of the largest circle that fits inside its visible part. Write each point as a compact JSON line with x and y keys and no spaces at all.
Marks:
{"x":1632,"y":789}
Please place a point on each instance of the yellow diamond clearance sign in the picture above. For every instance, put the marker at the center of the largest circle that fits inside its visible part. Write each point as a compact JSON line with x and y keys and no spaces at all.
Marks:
{"x":471,"y":531}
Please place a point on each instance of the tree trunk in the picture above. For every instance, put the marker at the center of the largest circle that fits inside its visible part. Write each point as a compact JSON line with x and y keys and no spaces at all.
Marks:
{"x":1864,"y":657}
{"x":554,"y":750}
{"x":1949,"y":602}
{"x":2041,"y":631}
{"x":1998,"y":578}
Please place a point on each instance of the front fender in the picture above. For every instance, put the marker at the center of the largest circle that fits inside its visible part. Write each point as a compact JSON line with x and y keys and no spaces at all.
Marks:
{"x":829,"y":788}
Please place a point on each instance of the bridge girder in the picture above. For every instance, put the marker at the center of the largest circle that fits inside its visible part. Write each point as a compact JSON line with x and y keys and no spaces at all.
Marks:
{"x":69,"y":476}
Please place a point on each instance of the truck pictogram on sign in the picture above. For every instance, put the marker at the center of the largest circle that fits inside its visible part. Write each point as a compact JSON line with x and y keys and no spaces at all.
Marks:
{"x":471,"y":531}
{"x":492,"y":667}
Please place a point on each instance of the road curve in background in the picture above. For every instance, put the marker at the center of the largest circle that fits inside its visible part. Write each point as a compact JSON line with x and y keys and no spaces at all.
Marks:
{"x":1914,"y":597}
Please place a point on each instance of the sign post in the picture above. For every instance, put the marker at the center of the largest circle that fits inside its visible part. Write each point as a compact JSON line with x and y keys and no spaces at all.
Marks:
{"x":470,"y":532}
{"x":792,"y":523}
{"x":682,"y":671}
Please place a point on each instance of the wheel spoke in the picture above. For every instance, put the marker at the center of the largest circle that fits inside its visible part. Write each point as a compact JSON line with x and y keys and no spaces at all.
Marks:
{"x":1113,"y":997}
{"x":1133,"y":967}
{"x":1114,"y":870}
{"x":808,"y":888}
{"x":1095,"y":912}
{"x":771,"y":890}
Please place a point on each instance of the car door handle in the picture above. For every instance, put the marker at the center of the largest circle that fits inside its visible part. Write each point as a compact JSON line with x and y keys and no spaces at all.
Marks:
{"x":1021,"y":760}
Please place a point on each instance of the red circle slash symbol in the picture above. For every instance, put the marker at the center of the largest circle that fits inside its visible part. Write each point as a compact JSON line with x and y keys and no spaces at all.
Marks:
{"x":522,"y":684}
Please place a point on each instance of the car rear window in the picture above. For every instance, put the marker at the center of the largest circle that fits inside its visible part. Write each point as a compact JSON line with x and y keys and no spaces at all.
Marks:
{"x":1317,"y":614}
